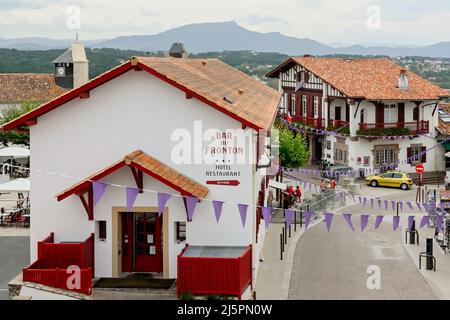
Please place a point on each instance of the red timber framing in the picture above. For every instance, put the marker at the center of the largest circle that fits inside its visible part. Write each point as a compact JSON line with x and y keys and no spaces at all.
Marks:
{"x":83,"y":92}
{"x":139,"y":163}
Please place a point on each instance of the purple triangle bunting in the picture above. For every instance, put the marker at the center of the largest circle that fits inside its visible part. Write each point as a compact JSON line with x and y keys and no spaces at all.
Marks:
{"x":162,"y":200}
{"x":395,"y":222}
{"x":410,"y":222}
{"x":348,"y":219}
{"x":243,"y":213}
{"x":307,"y":216}
{"x":288,"y":216}
{"x":378,"y":221}
{"x":218,"y":205}
{"x":425,"y":220}
{"x":98,"y":189}
{"x":328,"y":220}
{"x":131,"y":196}
{"x":267,"y":214}
{"x":191,"y":203}
{"x":364,"y":221}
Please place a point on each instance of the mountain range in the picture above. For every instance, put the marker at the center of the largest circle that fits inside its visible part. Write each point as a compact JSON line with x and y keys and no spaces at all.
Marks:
{"x":221,"y":36}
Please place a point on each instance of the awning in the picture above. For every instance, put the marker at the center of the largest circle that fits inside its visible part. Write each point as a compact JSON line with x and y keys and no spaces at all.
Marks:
{"x":277,"y":185}
{"x":139,"y":163}
{"x":446,"y":146}
{"x":15,"y":152}
{"x":18,"y":185}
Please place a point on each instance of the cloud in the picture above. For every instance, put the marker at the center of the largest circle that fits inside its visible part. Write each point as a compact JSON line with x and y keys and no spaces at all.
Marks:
{"x":410,"y":21}
{"x":256,"y":20}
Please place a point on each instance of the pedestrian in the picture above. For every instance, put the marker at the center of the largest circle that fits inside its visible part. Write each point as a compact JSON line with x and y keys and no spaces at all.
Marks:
{"x":323,"y":185}
{"x":270,"y":199}
{"x":290,"y":190}
{"x":446,"y":183}
{"x":332,"y":184}
{"x":298,"y":193}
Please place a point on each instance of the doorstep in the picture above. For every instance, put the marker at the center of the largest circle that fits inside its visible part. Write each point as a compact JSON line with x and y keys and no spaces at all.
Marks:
{"x":17,"y":285}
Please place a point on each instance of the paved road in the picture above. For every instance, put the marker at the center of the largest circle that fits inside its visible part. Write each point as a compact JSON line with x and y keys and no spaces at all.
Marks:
{"x":334,"y":265}
{"x":14,"y":255}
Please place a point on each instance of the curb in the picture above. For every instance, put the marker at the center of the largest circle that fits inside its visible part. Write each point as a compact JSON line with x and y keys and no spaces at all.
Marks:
{"x":290,"y":260}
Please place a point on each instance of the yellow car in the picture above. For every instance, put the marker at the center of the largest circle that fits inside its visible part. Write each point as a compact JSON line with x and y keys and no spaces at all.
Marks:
{"x":390,"y":179}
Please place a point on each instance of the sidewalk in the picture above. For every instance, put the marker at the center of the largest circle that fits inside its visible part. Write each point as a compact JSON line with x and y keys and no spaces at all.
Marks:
{"x":274,"y":275}
{"x":438,"y":280}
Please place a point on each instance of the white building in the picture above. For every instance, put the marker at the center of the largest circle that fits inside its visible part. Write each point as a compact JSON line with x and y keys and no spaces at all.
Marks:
{"x":124,"y":128}
{"x":382,"y":114}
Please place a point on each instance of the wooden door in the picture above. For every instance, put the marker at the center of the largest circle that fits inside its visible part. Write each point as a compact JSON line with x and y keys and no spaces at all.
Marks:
{"x":148,"y":244}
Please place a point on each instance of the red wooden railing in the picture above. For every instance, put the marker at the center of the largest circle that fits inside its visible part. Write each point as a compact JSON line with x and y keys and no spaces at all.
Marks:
{"x":215,"y":276}
{"x":315,"y":122}
{"x":337,"y":123}
{"x":414,"y":127}
{"x":51,"y":268}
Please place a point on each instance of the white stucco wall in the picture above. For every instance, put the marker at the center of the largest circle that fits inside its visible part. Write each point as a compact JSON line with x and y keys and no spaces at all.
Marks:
{"x":133,"y":111}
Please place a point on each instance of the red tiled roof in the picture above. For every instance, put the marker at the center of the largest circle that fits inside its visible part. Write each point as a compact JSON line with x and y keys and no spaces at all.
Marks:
{"x":369,"y":78}
{"x":209,"y":80}
{"x":33,"y":87}
{"x":148,"y":165}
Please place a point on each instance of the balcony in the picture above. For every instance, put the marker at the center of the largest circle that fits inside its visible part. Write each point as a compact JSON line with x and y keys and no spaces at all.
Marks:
{"x":334,"y":123}
{"x":410,"y":128}
{"x":318,"y":123}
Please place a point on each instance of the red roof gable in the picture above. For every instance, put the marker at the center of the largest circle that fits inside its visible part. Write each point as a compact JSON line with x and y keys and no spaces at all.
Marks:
{"x":210,"y":81}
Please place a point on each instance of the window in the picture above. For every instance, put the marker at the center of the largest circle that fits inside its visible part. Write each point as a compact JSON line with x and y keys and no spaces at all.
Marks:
{"x":366,"y":160}
{"x":328,"y":145}
{"x":292,"y":111}
{"x":304,"y":105}
{"x":316,"y":107}
{"x":397,"y":176}
{"x":361,"y":116}
{"x":390,"y":113}
{"x":387,"y":175}
{"x":180,"y":231}
{"x":416,"y":153}
{"x":385,"y":155}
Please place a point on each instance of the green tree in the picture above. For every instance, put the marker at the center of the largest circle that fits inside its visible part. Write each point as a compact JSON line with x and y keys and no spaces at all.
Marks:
{"x":21,"y":136}
{"x":294,"y":151}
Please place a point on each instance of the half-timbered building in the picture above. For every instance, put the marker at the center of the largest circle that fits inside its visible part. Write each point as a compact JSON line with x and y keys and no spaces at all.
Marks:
{"x":376,"y":112}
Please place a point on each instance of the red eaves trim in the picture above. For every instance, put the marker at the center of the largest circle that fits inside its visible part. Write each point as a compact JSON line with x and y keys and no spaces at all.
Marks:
{"x":66,"y":97}
{"x":107,"y":76}
{"x":161,"y":179}
{"x":84,"y":186}
{"x":197,"y":96}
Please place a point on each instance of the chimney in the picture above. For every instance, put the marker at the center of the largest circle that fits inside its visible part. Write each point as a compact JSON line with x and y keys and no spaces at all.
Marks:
{"x":80,"y":65}
{"x":178,"y":50}
{"x":403,"y":82}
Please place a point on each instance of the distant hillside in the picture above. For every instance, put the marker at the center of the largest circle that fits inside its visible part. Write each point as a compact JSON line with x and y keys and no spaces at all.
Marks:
{"x":255,"y":64}
{"x":221,"y":36}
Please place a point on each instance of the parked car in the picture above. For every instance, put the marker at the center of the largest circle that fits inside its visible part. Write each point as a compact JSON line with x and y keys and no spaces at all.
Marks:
{"x":390,"y":179}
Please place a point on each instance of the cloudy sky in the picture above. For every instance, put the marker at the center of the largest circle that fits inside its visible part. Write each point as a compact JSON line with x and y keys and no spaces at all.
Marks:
{"x":412,"y":22}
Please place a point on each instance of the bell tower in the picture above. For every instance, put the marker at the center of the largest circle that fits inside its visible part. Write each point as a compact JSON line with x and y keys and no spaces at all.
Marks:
{"x":72,"y":67}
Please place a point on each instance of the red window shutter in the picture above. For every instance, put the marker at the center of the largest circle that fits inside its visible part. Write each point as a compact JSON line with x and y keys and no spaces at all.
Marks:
{"x":379,"y":115}
{"x":409,"y":154}
{"x":424,"y":154}
{"x":347,"y":112}
{"x":401,"y":115}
